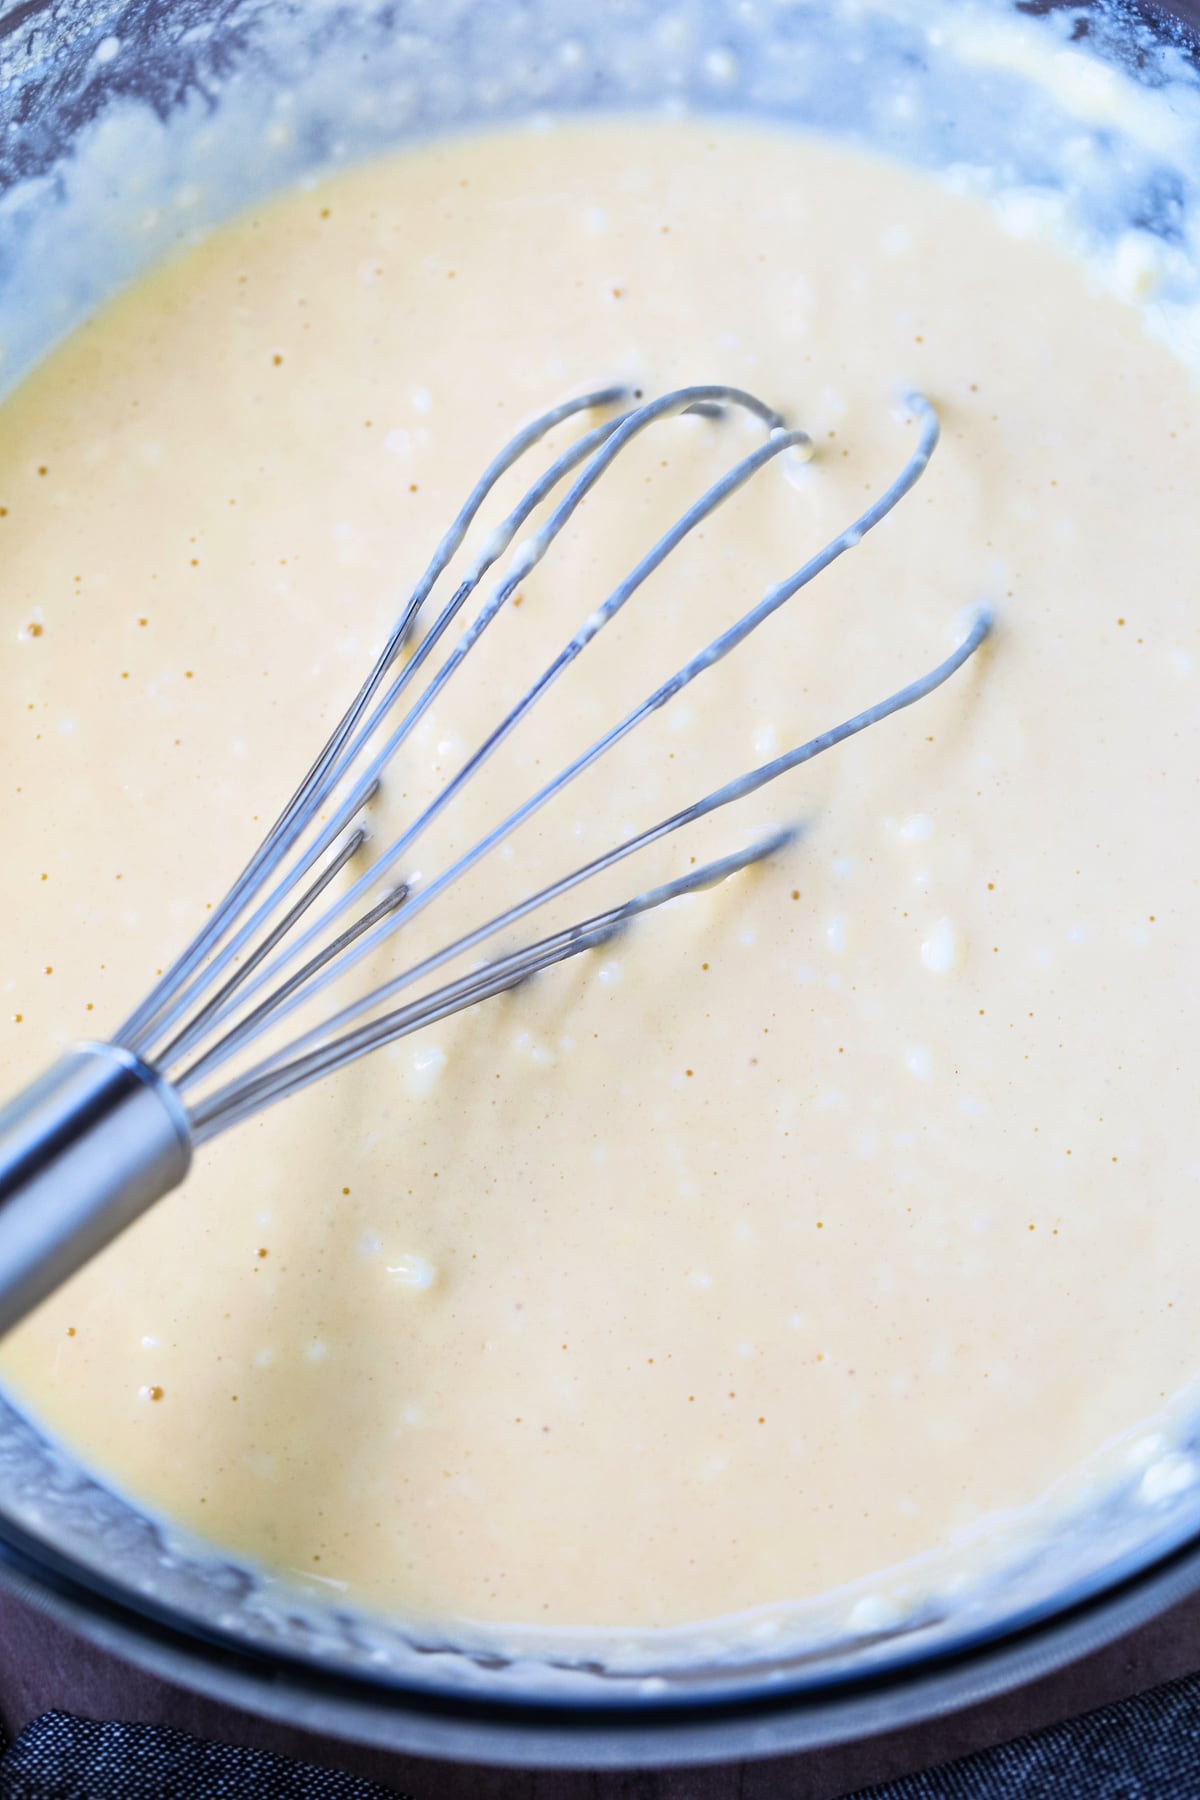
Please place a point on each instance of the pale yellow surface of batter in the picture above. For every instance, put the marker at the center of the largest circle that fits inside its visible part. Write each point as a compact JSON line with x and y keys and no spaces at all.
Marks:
{"x":817,"y":1217}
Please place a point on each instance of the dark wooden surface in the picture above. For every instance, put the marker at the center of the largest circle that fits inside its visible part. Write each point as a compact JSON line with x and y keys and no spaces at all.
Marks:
{"x":42,"y":1667}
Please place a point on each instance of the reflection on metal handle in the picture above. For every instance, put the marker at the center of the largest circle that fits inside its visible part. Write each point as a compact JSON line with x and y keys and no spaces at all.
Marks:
{"x":83,"y":1151}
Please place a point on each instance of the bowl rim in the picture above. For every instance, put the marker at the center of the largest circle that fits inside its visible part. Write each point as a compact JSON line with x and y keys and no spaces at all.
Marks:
{"x":517,"y":1733}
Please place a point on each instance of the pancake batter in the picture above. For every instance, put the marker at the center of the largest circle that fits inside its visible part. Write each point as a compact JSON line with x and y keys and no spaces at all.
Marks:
{"x":818,"y":1218}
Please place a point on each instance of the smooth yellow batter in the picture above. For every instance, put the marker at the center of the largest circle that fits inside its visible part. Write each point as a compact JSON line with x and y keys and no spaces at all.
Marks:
{"x":817,"y":1217}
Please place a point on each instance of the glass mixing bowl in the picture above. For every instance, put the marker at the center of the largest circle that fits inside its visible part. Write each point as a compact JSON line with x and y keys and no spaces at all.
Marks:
{"x":133,"y":125}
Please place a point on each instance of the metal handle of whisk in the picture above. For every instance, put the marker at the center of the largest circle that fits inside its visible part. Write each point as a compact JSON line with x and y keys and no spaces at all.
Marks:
{"x":84,"y":1150}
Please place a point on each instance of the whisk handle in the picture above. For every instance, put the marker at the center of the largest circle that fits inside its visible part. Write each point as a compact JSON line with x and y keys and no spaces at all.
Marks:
{"x":84,"y":1150}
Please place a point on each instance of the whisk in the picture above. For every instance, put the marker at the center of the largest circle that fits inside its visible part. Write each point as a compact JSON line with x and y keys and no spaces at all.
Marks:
{"x":111,"y":1127}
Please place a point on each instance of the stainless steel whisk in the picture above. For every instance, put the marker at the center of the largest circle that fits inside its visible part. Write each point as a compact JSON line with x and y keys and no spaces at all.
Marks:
{"x":111,"y":1127}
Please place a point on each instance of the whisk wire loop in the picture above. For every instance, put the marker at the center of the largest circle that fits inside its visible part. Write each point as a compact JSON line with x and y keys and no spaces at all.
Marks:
{"x":302,"y":807}
{"x":403,"y":845}
{"x":252,"y":967}
{"x":596,"y":450}
{"x":283,"y":1074}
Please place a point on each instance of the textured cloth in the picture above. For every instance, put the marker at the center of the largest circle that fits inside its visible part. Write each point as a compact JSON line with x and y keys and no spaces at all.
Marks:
{"x":1147,"y":1748}
{"x":62,"y":1758}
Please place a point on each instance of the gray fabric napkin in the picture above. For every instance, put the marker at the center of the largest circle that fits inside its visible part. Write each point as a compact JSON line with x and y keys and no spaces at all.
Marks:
{"x":59,"y":1757}
{"x":1147,"y":1748}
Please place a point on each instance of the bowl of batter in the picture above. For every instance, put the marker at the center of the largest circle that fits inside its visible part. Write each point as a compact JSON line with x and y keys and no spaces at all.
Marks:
{"x":780,"y":1320}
